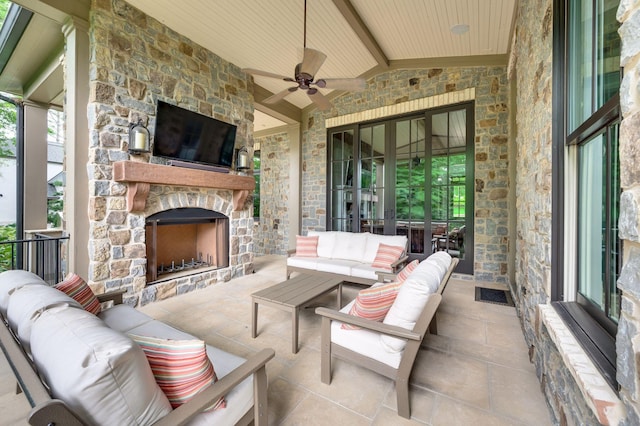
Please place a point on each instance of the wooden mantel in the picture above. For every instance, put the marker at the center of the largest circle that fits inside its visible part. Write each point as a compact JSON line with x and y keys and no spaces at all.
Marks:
{"x":140,"y":176}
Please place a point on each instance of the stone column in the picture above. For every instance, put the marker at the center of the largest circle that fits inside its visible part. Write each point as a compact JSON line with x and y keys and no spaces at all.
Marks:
{"x":294,"y":207}
{"x":76,"y":83}
{"x":628,"y":337}
{"x":35,"y":167}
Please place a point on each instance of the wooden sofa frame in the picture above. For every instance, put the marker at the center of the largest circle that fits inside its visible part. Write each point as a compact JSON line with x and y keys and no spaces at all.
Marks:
{"x":395,"y":267}
{"x":49,"y":411}
{"x":415,"y":337}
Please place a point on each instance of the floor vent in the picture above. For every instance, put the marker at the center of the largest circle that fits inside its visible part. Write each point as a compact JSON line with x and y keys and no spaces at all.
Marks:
{"x":492,"y":295}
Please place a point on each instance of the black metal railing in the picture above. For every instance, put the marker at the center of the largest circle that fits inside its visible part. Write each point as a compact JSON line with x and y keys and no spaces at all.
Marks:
{"x":42,"y":255}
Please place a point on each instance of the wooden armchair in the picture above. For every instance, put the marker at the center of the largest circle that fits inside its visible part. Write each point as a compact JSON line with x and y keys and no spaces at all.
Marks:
{"x":364,"y":347}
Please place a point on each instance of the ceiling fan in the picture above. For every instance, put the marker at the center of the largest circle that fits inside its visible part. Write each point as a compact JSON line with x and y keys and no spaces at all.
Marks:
{"x":304,"y":75}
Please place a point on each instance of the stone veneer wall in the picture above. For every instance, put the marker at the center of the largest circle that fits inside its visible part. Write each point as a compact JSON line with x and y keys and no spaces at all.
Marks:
{"x":575,"y":391}
{"x":491,"y":150}
{"x":136,"y":60}
{"x":271,"y":235}
{"x":628,"y":337}
{"x":534,"y":52}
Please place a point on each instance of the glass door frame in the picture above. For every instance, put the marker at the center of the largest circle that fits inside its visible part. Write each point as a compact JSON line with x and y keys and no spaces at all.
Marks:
{"x":466,"y":264}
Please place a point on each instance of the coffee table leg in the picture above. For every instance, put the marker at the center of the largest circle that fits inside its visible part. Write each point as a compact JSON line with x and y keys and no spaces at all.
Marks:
{"x":294,"y":336}
{"x":254,"y":319}
{"x":339,"y":296}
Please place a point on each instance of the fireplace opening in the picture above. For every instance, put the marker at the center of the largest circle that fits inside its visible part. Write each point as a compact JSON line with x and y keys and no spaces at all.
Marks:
{"x":185,"y":241}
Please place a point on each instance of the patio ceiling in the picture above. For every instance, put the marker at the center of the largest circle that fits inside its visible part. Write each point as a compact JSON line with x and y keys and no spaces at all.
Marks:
{"x":360,"y":38}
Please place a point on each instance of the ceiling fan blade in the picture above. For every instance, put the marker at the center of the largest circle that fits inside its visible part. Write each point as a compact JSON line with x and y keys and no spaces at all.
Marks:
{"x":319,"y":99}
{"x":265,"y":74}
{"x":351,"y":84}
{"x":312,"y":61}
{"x":280,"y":95}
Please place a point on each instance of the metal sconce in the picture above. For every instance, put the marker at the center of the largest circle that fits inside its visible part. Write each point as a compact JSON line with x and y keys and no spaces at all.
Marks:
{"x":138,"y":138}
{"x":242,"y":159}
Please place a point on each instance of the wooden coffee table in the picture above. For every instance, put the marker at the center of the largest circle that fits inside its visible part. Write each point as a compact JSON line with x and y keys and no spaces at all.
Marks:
{"x":292,"y":295}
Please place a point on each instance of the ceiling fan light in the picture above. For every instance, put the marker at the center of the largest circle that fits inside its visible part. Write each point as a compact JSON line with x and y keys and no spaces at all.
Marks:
{"x":321,"y":83}
{"x":460,"y":29}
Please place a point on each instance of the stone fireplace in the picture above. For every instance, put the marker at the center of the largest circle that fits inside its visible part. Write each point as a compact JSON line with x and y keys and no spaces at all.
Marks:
{"x":172,"y":214}
{"x":135,"y":61}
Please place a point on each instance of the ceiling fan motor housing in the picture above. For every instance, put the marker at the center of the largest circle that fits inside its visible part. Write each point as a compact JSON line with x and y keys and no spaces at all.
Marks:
{"x":303,"y":79}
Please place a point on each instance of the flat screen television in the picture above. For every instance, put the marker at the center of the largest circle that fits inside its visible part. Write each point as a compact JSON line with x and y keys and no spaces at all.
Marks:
{"x":185,"y":135}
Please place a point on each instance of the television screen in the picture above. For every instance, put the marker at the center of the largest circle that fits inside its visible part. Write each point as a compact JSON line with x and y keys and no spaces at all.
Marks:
{"x":188,"y":136}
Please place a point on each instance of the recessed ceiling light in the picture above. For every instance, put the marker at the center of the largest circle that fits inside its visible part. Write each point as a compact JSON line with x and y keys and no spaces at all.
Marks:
{"x":460,"y":29}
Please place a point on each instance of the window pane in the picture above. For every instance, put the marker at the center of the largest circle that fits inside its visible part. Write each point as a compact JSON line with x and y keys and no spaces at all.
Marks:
{"x":615,"y":252}
{"x":608,"y":49}
{"x":580,"y":64}
{"x":591,"y":220}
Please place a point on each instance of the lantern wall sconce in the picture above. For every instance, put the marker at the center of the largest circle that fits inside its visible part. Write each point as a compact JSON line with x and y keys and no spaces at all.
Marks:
{"x":242,"y":159}
{"x":139,"y":138}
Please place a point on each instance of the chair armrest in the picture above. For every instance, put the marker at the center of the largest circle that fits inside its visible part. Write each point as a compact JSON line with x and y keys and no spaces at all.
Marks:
{"x":291,"y":252}
{"x":115,"y":296}
{"x":384,"y":276}
{"x":398,"y":263}
{"x":194,"y":406}
{"x":391,"y":330}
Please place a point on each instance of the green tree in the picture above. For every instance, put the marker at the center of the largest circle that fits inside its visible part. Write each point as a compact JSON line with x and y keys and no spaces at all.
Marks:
{"x":4,"y":7}
{"x":8,"y":119}
{"x":7,"y":233}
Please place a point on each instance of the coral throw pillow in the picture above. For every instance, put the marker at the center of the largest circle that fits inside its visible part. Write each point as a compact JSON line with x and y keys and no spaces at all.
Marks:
{"x":75,"y":287}
{"x":386,"y":255}
{"x":407,"y":270}
{"x":181,"y":368}
{"x":373,"y":303}
{"x":306,"y":246}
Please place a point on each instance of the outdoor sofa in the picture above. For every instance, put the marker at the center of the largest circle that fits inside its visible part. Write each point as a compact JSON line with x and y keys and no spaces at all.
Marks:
{"x":347,"y":255}
{"x":78,"y":368}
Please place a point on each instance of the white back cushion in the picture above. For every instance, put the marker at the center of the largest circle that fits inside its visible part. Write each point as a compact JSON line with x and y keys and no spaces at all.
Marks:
{"x":99,"y":372}
{"x":349,"y":246}
{"x":411,"y":299}
{"x":12,"y":279}
{"x":27,"y":303}
{"x":374,"y":240}
{"x":326,"y":242}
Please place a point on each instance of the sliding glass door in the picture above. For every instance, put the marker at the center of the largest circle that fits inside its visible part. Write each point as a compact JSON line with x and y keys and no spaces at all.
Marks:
{"x":407,"y":176}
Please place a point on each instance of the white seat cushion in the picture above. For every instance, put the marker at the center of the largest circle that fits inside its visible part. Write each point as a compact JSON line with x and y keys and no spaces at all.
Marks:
{"x":123,"y":318}
{"x":364,"y":270}
{"x":99,"y":372}
{"x":364,"y":342}
{"x":411,"y":299}
{"x":337,"y":266}
{"x":303,"y":262}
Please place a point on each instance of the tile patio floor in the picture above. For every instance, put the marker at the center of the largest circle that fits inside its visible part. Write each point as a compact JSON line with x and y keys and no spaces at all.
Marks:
{"x":475,"y":372}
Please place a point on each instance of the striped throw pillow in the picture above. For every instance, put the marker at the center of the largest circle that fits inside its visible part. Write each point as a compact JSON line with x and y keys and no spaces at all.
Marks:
{"x":373,"y":303}
{"x":75,"y":287}
{"x":181,"y":368}
{"x":407,"y":270}
{"x":307,"y":246}
{"x":386,"y":255}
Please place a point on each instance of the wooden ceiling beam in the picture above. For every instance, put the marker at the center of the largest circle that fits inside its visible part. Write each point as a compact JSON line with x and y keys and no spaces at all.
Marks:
{"x":362,"y":31}
{"x":283,"y":110}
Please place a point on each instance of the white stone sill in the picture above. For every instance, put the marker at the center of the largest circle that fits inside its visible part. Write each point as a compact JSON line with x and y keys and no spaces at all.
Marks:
{"x":602,"y":400}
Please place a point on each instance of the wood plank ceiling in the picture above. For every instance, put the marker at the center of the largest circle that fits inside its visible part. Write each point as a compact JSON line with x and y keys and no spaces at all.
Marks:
{"x":359,"y":37}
